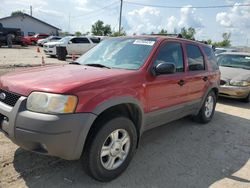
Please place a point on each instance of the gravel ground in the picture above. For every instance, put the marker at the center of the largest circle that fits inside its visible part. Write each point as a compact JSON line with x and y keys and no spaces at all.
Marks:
{"x":180,"y":154}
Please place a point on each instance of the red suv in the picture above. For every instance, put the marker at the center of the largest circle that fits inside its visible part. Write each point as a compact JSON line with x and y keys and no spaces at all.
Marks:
{"x":98,"y":106}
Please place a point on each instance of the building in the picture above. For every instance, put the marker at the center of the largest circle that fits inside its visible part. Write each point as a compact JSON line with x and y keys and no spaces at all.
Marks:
{"x":29,"y":25}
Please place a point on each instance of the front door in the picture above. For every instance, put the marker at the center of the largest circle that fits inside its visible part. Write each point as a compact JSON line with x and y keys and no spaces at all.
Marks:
{"x":167,"y":92}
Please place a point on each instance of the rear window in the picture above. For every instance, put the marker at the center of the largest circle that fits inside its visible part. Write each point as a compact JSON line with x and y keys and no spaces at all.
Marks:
{"x":195,"y":58}
{"x":211,"y":57}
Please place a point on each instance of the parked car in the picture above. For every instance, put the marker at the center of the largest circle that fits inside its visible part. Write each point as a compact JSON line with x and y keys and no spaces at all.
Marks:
{"x":235,"y":75}
{"x":221,"y":50}
{"x":25,"y":41}
{"x":74,"y":45}
{"x":98,"y":106}
{"x":9,"y":36}
{"x":41,"y":42}
{"x":33,"y":39}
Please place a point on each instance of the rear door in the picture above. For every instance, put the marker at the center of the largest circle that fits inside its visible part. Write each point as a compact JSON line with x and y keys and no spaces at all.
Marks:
{"x":197,"y":75}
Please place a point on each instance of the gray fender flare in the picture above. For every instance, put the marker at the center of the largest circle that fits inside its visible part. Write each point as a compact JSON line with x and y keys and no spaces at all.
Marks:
{"x":122,"y":100}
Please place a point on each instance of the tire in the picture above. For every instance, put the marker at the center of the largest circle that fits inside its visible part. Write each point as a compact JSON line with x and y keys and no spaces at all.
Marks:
{"x":98,"y":167}
{"x":206,"y":112}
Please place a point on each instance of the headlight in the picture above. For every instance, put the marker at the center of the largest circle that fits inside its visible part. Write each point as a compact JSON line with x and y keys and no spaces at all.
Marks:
{"x":239,"y":83}
{"x":51,"y":103}
{"x":52,"y":46}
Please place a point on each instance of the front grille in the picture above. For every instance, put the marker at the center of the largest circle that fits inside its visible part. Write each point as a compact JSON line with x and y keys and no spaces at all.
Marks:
{"x":222,"y":82}
{"x":9,"y":98}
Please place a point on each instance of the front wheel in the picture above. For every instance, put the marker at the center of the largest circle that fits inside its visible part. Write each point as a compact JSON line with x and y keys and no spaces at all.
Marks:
{"x":111,"y":149}
{"x":206,"y":112}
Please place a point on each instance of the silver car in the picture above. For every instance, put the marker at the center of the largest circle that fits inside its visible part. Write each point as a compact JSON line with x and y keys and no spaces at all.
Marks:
{"x":235,"y":75}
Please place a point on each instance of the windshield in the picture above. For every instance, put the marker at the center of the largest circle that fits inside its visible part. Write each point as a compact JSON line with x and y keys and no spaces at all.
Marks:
{"x":121,"y":53}
{"x":235,"y":61}
{"x":64,"y":39}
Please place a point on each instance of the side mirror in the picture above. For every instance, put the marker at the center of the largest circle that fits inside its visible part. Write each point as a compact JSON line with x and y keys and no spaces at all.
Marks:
{"x":164,"y":68}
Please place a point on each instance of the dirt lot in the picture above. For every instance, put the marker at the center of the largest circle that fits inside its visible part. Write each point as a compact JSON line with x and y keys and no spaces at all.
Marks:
{"x":180,"y":154}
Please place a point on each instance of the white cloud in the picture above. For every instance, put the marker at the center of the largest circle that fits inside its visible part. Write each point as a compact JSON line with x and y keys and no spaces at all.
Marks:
{"x":26,"y":2}
{"x":236,"y":17}
{"x":188,"y":18}
{"x":144,"y":20}
{"x":81,"y":5}
{"x":147,"y":20}
{"x":236,"y":21}
{"x":172,"y":24}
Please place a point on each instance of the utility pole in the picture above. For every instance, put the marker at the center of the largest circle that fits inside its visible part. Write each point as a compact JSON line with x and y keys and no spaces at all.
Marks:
{"x":30,"y":10}
{"x":69,"y":24}
{"x":120,"y":19}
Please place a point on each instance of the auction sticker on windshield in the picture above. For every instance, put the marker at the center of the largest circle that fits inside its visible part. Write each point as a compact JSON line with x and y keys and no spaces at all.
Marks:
{"x":144,"y":42}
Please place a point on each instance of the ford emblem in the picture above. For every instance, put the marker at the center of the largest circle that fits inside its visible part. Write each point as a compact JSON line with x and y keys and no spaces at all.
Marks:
{"x":2,"y":96}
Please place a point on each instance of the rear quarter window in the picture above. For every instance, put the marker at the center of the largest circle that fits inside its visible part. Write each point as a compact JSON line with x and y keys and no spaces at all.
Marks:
{"x":211,"y":57}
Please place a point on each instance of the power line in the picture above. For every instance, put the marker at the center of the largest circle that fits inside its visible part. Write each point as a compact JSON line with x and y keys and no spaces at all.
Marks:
{"x":178,"y":7}
{"x":96,"y":10}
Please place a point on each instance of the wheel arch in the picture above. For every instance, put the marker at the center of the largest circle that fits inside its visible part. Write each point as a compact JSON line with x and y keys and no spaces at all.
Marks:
{"x":121,"y":106}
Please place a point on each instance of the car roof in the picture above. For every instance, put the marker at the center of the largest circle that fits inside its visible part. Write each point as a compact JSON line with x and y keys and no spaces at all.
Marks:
{"x":163,"y":37}
{"x":235,"y":53}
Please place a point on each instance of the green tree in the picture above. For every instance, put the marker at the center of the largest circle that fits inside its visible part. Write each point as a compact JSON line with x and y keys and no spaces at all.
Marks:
{"x":225,"y":42}
{"x":163,"y":32}
{"x":63,"y":33}
{"x":188,"y":33}
{"x":78,"y":33}
{"x":117,"y":33}
{"x":98,"y":28}
{"x":17,"y":12}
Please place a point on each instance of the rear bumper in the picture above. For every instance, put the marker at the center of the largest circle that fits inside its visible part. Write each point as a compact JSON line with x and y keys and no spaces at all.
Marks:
{"x":234,"y":92}
{"x":56,"y":135}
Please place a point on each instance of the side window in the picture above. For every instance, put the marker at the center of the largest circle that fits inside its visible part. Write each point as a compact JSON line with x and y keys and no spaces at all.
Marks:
{"x":211,"y":57}
{"x":171,"y":52}
{"x":83,"y":40}
{"x":95,"y":40}
{"x":195,"y":58}
{"x":75,"y":40}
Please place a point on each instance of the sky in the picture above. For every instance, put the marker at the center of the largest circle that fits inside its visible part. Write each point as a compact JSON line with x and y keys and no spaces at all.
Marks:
{"x":79,"y":15}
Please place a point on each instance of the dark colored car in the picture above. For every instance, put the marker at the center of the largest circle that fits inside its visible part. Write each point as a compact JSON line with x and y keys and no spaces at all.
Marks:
{"x":9,"y":36}
{"x":235,"y":75}
{"x":98,"y":106}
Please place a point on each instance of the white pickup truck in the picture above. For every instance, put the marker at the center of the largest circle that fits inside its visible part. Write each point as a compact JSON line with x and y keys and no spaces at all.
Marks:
{"x":74,"y":45}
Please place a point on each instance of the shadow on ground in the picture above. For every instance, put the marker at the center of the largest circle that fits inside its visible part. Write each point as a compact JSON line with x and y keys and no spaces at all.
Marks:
{"x":234,"y":102}
{"x":182,"y":154}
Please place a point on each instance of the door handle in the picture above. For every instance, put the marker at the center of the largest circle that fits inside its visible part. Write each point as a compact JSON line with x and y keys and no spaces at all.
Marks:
{"x":181,"y":82}
{"x":205,"y":78}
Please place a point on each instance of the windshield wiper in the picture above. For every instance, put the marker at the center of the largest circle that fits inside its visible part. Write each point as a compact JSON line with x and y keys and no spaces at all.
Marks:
{"x":97,"y":65}
{"x":74,"y":63}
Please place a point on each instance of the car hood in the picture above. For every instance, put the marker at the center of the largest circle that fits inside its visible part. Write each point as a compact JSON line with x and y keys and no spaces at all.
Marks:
{"x":56,"y":78}
{"x":237,"y":74}
{"x":54,"y":43}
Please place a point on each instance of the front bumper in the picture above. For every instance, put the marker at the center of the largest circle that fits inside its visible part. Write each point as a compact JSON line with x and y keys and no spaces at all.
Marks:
{"x":49,"y":51}
{"x":56,"y":135}
{"x":234,"y":91}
